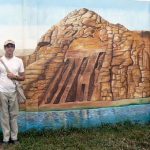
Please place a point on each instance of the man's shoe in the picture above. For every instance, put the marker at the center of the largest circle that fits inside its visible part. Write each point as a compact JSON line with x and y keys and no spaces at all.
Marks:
{"x":15,"y":142}
{"x":5,"y":143}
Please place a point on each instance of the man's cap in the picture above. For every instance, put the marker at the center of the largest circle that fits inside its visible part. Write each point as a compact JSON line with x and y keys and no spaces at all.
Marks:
{"x":9,"y":42}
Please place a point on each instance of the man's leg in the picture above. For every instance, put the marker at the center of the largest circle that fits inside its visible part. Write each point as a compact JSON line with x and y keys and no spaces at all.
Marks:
{"x":14,"y":111}
{"x":5,"y":116}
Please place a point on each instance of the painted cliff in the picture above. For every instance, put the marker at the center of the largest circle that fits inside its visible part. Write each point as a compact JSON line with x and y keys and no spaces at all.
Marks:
{"x":85,"y":59}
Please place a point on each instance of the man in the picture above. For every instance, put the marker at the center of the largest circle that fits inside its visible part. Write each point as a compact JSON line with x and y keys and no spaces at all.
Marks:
{"x":8,"y":97}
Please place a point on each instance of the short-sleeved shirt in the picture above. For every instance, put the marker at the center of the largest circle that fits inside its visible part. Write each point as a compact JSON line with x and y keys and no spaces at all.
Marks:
{"x":15,"y":66}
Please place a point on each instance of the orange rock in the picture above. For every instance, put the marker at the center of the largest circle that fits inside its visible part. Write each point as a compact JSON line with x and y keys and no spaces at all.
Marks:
{"x":86,"y":58}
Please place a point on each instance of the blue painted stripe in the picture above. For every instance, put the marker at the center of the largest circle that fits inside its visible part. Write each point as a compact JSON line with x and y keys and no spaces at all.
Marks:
{"x":83,"y":118}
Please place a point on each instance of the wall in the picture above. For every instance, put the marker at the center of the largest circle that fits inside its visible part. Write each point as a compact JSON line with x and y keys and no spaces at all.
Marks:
{"x":86,"y":71}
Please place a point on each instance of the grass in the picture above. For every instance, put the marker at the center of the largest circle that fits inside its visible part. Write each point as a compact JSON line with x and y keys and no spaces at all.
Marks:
{"x":107,"y":137}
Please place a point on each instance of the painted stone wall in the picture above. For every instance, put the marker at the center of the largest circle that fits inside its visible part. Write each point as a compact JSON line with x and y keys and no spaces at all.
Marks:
{"x":86,"y":60}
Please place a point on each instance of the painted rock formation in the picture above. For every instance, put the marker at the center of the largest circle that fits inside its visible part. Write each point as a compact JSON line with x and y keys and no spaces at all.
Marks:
{"x":86,"y":58}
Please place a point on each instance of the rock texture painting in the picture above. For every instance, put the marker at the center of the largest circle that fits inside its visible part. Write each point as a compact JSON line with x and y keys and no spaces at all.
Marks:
{"x":86,"y":59}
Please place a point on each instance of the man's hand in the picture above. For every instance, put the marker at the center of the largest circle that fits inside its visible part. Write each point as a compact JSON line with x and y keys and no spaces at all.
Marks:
{"x":20,"y":77}
{"x":11,"y":75}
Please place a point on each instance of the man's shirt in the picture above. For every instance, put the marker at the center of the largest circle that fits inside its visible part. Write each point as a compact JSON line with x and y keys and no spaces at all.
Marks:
{"x":15,"y":65}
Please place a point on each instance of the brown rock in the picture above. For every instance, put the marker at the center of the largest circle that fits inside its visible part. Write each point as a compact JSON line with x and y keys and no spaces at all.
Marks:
{"x":86,"y":58}
{"x":89,"y":22}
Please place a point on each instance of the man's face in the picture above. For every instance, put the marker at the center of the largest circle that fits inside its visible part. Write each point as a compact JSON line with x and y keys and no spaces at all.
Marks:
{"x":9,"y":49}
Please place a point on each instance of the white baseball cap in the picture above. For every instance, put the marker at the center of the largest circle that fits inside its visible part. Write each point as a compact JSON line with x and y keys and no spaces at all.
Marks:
{"x":9,"y":42}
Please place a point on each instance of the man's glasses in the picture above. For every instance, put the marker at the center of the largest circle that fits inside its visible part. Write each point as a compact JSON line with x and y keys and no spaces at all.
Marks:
{"x":10,"y":46}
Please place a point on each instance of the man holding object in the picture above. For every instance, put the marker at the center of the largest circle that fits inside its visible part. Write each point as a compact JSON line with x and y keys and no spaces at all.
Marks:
{"x":8,"y":98}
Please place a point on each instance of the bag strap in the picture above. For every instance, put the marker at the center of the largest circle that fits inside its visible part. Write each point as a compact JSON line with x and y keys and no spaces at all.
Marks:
{"x":7,"y":70}
{"x":4,"y":65}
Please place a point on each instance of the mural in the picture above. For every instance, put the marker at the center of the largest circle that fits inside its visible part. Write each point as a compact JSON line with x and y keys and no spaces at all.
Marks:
{"x":85,"y":60}
{"x":87,"y":63}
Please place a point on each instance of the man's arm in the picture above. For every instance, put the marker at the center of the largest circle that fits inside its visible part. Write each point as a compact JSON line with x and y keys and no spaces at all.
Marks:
{"x":20,"y":77}
{"x":21,"y":74}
